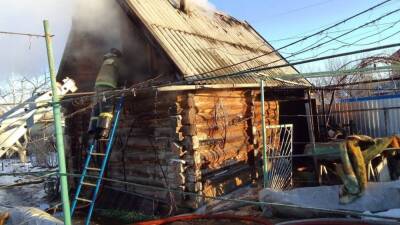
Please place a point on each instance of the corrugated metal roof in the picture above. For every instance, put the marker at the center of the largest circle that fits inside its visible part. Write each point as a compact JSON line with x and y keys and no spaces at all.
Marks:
{"x":199,"y":42}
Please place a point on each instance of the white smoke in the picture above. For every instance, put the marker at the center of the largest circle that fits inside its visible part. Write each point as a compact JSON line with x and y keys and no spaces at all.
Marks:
{"x":203,"y":5}
{"x":99,"y":18}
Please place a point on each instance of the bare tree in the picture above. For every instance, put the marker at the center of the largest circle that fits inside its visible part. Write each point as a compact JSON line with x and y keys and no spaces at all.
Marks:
{"x":17,"y":89}
{"x":342,"y":64}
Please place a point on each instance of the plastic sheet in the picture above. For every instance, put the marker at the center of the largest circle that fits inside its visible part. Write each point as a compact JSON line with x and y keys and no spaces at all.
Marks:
{"x":31,"y":216}
{"x":377,"y":197}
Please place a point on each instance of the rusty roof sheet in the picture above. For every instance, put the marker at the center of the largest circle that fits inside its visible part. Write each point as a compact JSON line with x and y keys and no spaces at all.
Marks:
{"x":199,"y":42}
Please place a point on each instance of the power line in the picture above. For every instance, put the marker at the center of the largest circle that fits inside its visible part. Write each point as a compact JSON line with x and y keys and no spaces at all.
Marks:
{"x":137,"y":87}
{"x":259,"y":69}
{"x":299,"y":9}
{"x":298,"y":41}
{"x":332,"y":32}
{"x":261,"y":44}
{"x":23,"y":34}
{"x":364,"y":82}
{"x":303,"y":34}
{"x":311,"y":47}
{"x":355,"y":42}
{"x":304,"y":75}
{"x":341,"y":72}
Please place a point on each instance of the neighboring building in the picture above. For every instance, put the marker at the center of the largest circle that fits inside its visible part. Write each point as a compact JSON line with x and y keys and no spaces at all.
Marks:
{"x":202,"y":137}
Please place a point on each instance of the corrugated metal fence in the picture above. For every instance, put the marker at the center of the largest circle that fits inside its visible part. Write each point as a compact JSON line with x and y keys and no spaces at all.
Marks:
{"x":375,"y":116}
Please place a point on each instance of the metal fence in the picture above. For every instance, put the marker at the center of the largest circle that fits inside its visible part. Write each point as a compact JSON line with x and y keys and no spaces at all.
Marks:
{"x":376,"y":116}
{"x":279,"y":157}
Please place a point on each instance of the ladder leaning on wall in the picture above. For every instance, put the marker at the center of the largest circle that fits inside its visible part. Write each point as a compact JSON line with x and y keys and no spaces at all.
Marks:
{"x":92,"y":154}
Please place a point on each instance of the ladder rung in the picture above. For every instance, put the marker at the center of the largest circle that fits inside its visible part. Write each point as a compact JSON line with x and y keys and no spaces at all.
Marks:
{"x":84,"y":200}
{"x":88,"y":184}
{"x":98,"y":154}
{"x":93,"y":169}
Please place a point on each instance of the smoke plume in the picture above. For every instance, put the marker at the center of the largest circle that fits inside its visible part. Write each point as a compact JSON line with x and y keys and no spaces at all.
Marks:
{"x":203,"y":5}
{"x":99,"y":18}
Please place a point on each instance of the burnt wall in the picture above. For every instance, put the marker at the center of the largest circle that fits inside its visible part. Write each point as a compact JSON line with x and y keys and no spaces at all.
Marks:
{"x":83,"y":55}
{"x":197,"y":141}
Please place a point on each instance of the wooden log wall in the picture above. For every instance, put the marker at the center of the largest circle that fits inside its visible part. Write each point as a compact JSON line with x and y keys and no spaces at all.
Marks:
{"x":148,"y":151}
{"x":198,"y":141}
{"x":221,"y":132}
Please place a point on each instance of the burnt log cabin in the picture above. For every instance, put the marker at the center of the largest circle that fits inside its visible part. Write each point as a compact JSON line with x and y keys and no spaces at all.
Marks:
{"x":202,"y":136}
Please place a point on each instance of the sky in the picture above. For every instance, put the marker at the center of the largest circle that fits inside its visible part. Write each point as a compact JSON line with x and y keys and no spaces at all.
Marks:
{"x":275,"y":20}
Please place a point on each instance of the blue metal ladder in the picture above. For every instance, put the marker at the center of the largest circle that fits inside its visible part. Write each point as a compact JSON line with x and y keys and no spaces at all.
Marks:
{"x":105,"y":155}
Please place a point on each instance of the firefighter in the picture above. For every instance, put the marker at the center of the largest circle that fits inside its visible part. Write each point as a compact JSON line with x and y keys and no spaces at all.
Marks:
{"x":106,"y":81}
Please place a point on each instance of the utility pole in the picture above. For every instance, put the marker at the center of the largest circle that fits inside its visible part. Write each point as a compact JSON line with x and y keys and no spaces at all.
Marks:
{"x":58,"y":127}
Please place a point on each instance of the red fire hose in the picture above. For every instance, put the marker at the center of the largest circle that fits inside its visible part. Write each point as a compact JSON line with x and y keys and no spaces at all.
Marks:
{"x":337,"y":221}
{"x":255,"y":221}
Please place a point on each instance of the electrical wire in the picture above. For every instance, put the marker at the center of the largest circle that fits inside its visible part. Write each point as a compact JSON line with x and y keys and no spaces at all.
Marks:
{"x":304,"y":34}
{"x":24,"y":34}
{"x":298,"y":9}
{"x":266,"y":67}
{"x":135,"y":88}
{"x":313,"y":46}
{"x":114,"y":93}
{"x":359,"y":40}
{"x":258,"y":203}
{"x":255,"y":69}
{"x":332,"y":32}
{"x":298,"y":41}
{"x":260,"y":45}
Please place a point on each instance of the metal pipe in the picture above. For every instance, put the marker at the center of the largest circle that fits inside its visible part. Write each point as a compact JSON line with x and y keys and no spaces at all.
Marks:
{"x":311,"y":131}
{"x":328,"y":116}
{"x":264,"y":134}
{"x":58,"y":127}
{"x":323,"y":113}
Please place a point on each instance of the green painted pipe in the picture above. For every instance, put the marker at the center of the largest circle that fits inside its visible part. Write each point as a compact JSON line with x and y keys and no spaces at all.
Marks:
{"x":58,"y":128}
{"x":264,"y":134}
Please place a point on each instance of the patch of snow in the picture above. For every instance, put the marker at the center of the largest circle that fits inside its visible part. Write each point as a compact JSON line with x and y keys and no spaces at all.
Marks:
{"x":44,"y":206}
{"x":8,"y":180}
{"x":377,"y":197}
{"x":32,"y":195}
{"x":8,"y":166}
{"x":13,"y":166}
{"x":393,"y":213}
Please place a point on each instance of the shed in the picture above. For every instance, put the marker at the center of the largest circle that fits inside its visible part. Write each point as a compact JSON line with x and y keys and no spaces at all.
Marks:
{"x":199,"y":134}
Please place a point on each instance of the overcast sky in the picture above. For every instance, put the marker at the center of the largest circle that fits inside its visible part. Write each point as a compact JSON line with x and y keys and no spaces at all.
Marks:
{"x":27,"y":55}
{"x":273,"y":19}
